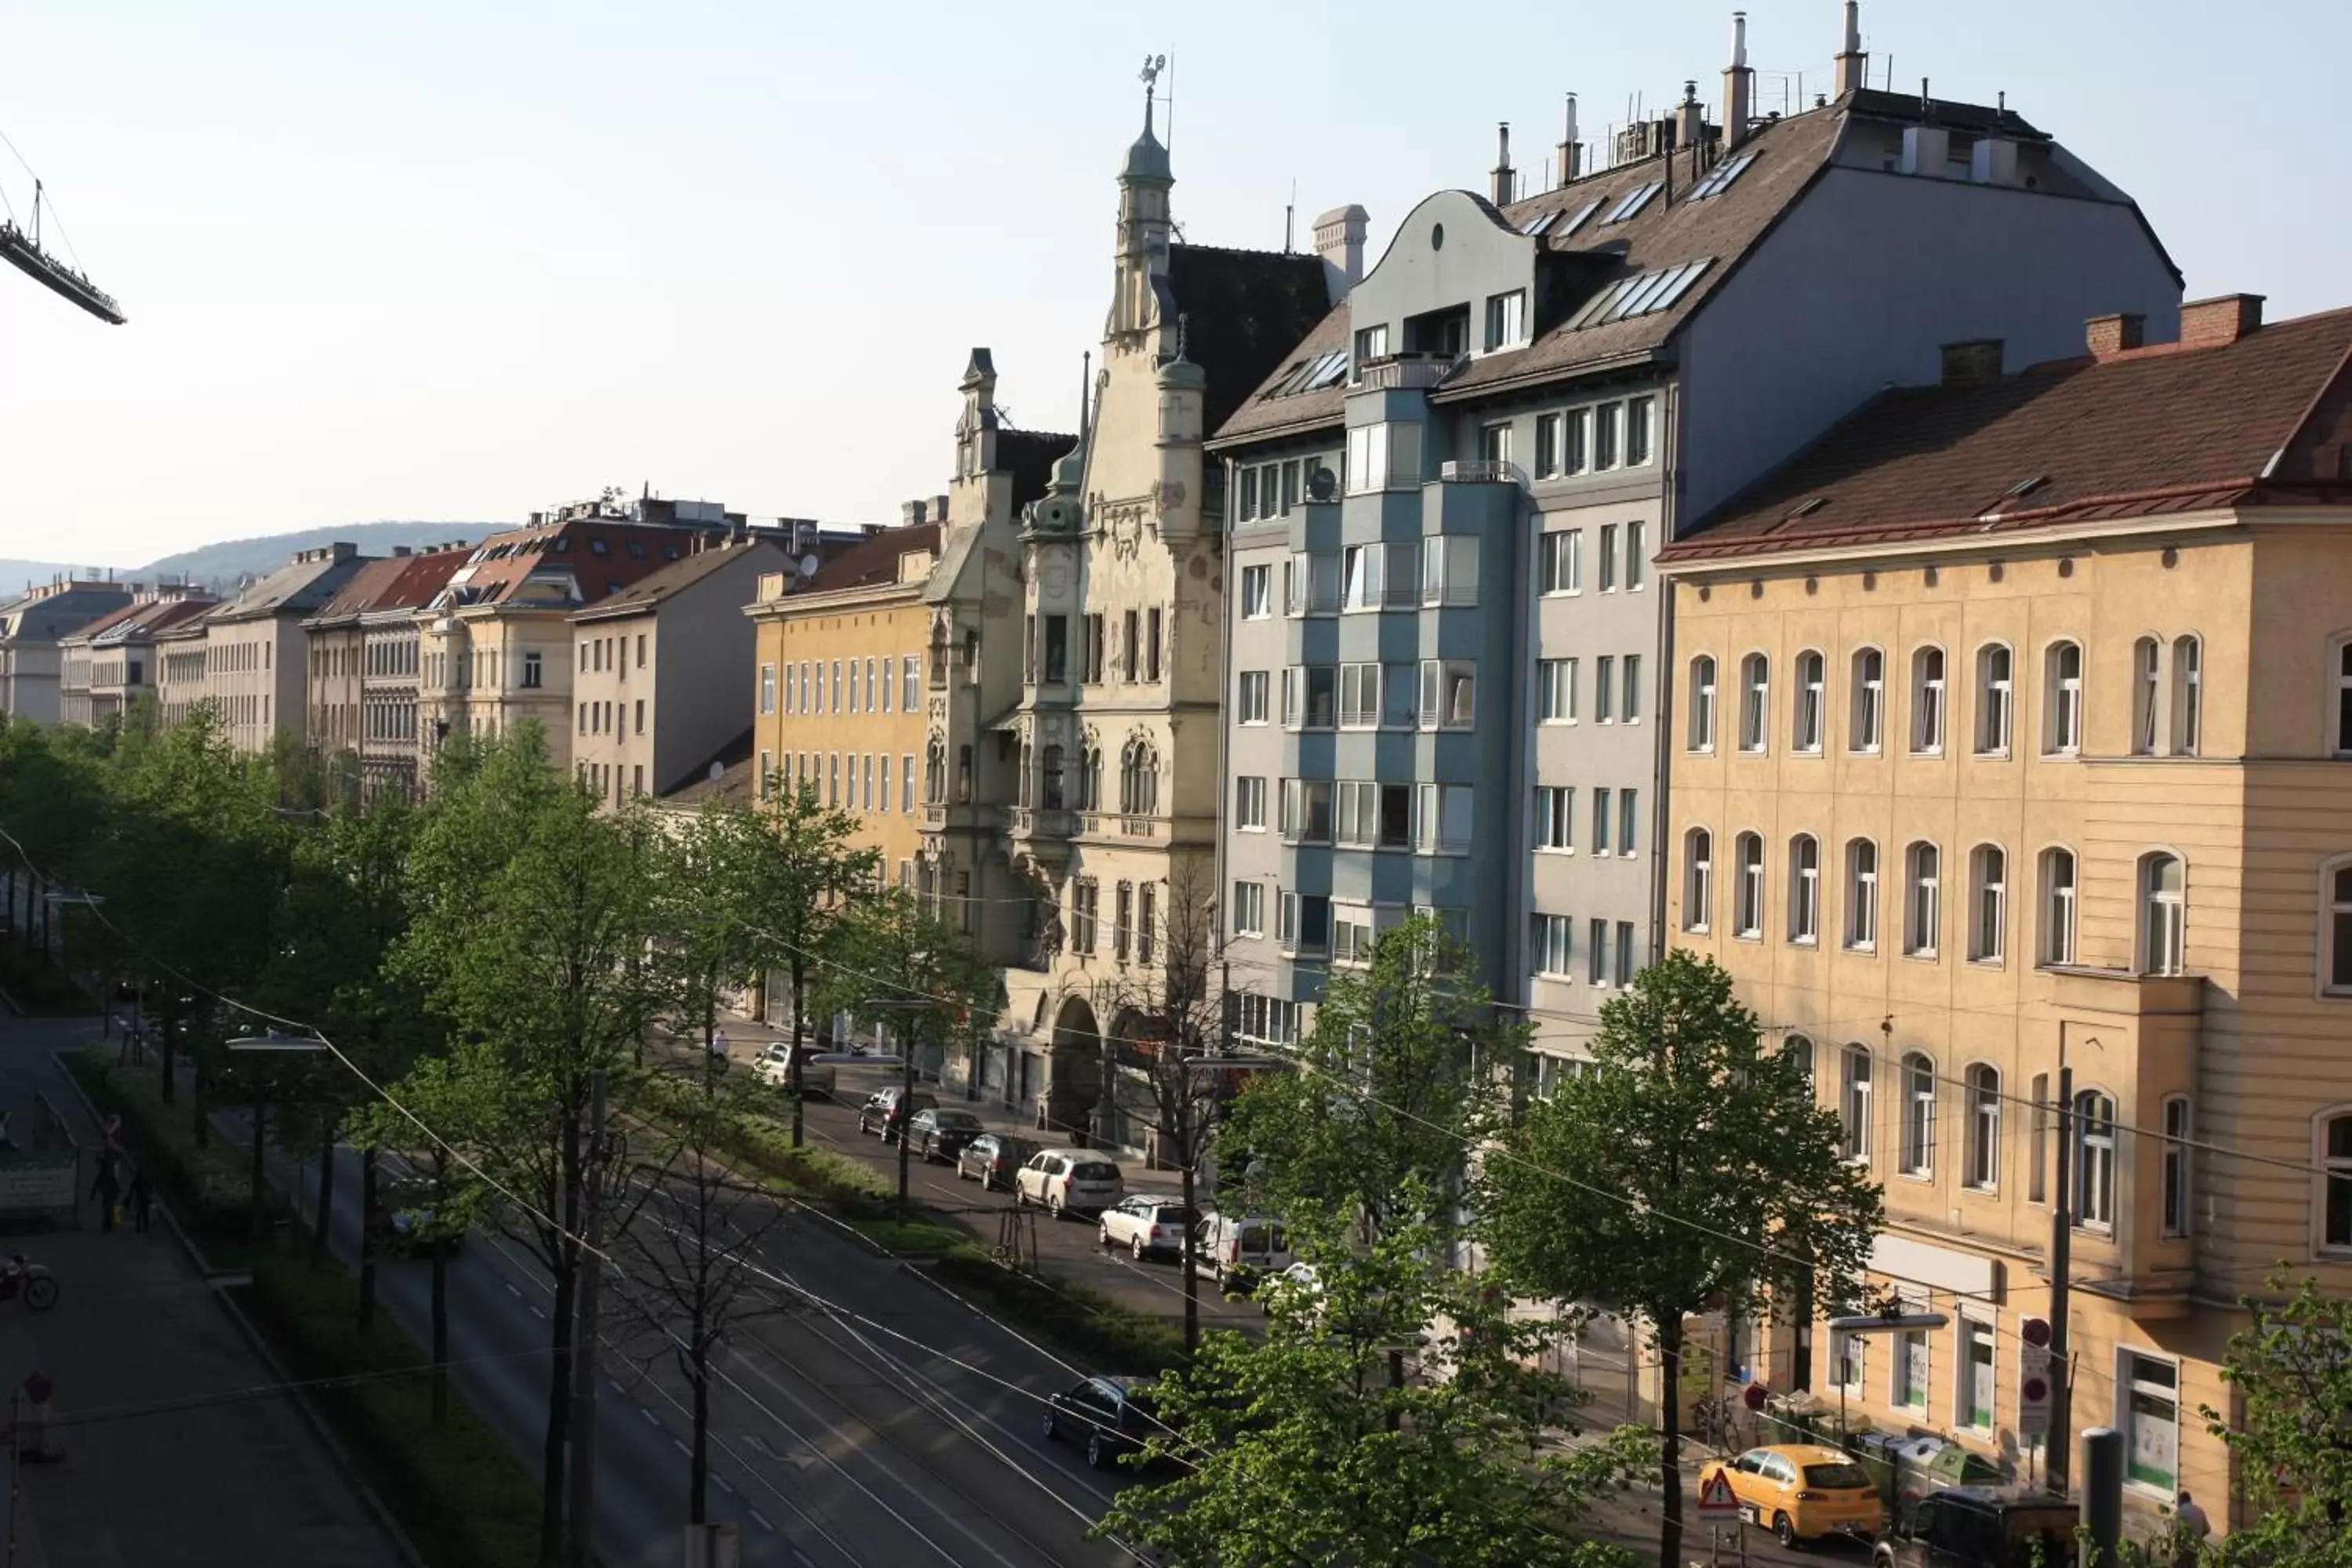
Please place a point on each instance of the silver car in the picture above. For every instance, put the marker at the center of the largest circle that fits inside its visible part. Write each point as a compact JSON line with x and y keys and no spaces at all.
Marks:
{"x":1069,"y":1180}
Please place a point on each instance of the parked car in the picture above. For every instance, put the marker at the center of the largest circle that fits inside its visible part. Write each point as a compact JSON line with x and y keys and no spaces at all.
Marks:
{"x":1980,"y":1527}
{"x":1068,"y":1181}
{"x":1802,"y":1491}
{"x":886,"y":1110}
{"x":993,"y":1159}
{"x":937,"y":1134}
{"x":405,"y":1226}
{"x":1109,"y":1415}
{"x":773,"y":1066}
{"x":1148,"y":1225}
{"x":1238,"y":1251}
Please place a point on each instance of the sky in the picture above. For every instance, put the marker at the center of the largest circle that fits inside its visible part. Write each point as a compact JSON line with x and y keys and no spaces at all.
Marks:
{"x":458,"y":261}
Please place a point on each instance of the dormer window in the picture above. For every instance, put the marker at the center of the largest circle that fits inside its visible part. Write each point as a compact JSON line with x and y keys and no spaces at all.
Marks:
{"x":1371,"y":342}
{"x":1507,"y":320}
{"x":598,"y":546}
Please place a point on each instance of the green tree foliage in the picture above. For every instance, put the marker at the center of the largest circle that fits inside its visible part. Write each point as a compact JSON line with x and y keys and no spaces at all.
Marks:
{"x":1395,"y":1083}
{"x":1388,"y":1418}
{"x":890,"y":947}
{"x":2292,"y":1367}
{"x":1689,"y":1169}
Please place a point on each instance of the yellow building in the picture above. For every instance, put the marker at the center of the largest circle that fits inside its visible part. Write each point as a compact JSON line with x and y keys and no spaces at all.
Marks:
{"x":839,"y":703}
{"x":2014,"y":748}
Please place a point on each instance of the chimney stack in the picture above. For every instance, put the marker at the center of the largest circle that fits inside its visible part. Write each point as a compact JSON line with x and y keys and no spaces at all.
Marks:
{"x":1690,"y":118}
{"x":2106,"y":336}
{"x":1976,"y":362}
{"x":1853,"y":65}
{"x":2221,"y":321}
{"x":1499,"y":190}
{"x":910,"y":513}
{"x":1571,"y":155}
{"x":1738,"y":86}
{"x":1340,"y":241}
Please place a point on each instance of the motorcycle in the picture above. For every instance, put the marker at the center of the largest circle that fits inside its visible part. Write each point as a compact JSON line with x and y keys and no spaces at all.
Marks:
{"x":31,"y":1281}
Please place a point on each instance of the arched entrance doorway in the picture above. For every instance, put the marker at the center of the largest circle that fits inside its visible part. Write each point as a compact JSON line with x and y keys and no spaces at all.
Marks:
{"x":1074,"y":1069}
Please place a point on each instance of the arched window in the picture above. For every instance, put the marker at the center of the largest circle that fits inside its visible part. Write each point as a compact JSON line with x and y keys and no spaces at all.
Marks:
{"x":2335,"y":1150}
{"x":2164,"y":907}
{"x":1049,"y":780}
{"x":1702,"y":703}
{"x":1995,"y":698}
{"x":1987,"y":903}
{"x":1918,"y":1153}
{"x":1812,"y":693}
{"x":1747,"y":911}
{"x":1862,"y":895}
{"x":1698,"y":878}
{"x":1983,"y":1173}
{"x":1800,"y":1050}
{"x":2057,"y":906}
{"x":1755,"y":701}
{"x":2095,"y":1160}
{"x":1923,"y":894}
{"x":1866,"y":721}
{"x":2147,"y":676}
{"x":2176,"y":1199}
{"x":2335,"y":928}
{"x":1928,"y":701}
{"x":1090,"y":779}
{"x":2062,"y":698}
{"x":1853,"y":1104}
{"x":1028,"y":758}
{"x":2187,"y":695}
{"x":2339,"y":718}
{"x":1805,"y":889}
{"x":1139,"y":780}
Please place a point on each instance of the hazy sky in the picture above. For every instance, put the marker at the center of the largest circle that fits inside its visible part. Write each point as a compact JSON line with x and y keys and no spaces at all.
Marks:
{"x":460,"y":261}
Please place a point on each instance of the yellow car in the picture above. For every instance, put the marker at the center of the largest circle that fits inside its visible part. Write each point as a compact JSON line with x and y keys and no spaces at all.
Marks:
{"x":1802,"y":1491}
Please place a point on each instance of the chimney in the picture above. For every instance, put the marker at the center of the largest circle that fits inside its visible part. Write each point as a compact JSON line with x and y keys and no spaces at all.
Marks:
{"x":1738,"y":86}
{"x":2223,"y":319}
{"x":1340,"y":241}
{"x":1926,"y":149}
{"x":910,"y":513}
{"x":1853,"y":65}
{"x":1690,"y":118}
{"x":402,"y":549}
{"x":2106,"y":336}
{"x":1500,"y":182}
{"x":1976,"y":362}
{"x":1571,"y":155}
{"x":1993,"y":161}
{"x":938,"y":508}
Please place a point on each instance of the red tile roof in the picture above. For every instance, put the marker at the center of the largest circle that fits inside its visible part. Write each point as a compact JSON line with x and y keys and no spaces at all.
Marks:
{"x":2157,"y":430}
{"x":575,"y":562}
{"x":873,"y":562}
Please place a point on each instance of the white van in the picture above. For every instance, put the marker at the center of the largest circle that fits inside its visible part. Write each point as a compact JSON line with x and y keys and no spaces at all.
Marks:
{"x":1238,"y":1251}
{"x":773,"y":1066}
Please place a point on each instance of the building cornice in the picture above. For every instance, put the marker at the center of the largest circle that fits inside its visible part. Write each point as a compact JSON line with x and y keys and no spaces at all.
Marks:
{"x":1990,"y":540}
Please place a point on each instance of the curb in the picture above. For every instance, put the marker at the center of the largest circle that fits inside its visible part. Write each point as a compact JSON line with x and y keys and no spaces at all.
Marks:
{"x":218,"y":1279}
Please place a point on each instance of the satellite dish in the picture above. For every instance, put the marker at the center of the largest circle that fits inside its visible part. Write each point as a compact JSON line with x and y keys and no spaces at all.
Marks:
{"x":808,"y":565}
{"x":718,"y":770}
{"x":1321,"y":482}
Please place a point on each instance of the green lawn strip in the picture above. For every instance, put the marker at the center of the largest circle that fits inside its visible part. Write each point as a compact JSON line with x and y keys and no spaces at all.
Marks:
{"x":458,"y":1491}
{"x":208,"y":1189}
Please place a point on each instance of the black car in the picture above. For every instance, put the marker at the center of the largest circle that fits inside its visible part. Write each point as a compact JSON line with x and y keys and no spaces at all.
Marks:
{"x":993,"y":1157}
{"x":1109,"y":1415}
{"x":883,"y":1112}
{"x":937,"y":1134}
{"x":1979,"y":1527}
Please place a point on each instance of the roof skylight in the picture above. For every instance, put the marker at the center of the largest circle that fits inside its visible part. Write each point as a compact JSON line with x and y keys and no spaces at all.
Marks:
{"x":1633,"y":201}
{"x":1535,"y":226}
{"x":1572,"y":225}
{"x":1642,"y":294}
{"x":1719,"y":181}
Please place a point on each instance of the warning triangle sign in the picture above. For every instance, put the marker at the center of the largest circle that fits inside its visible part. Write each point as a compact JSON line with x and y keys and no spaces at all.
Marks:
{"x":1715,"y":1497}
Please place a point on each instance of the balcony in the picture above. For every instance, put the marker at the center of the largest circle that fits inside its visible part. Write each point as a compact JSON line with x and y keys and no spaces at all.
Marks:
{"x":1040,"y":822}
{"x":1479,"y":471}
{"x":1405,"y":372}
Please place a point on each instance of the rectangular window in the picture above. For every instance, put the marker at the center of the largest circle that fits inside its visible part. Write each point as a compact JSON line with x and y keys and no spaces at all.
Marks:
{"x":1444,"y":818}
{"x":1608,"y":557}
{"x":1122,"y":918}
{"x":1494,"y":443}
{"x":1547,"y":445}
{"x":1353,"y":931}
{"x":1312,"y":583}
{"x":767,"y":689}
{"x":1371,"y":342}
{"x":1257,"y":592}
{"x":1249,"y":802}
{"x":1506,"y":317}
{"x":1636,"y":566}
{"x":907,"y":667}
{"x":1629,"y":813}
{"x":1604,"y":437}
{"x":1624,"y":953}
{"x":1309,"y":696}
{"x":1090,"y":653}
{"x":2176,"y":1166}
{"x":1911,"y":1370}
{"x":1359,"y":696}
{"x":1253,"y":698}
{"x":1249,"y":909}
{"x":1448,"y":694}
{"x":1383,"y":456}
{"x":2151,"y":1403}
{"x":1639,"y":413}
{"x":837,"y":686}
{"x":1555,"y":812}
{"x":1362,"y":576}
{"x":1596,"y":952}
{"x":1058,"y":650}
{"x":1604,"y":689}
{"x":1633,"y":688}
{"x":1130,"y":648}
{"x":1245,"y":499}
{"x":641,"y":715}
{"x":1561,"y":569}
{"x":906,"y":782}
{"x":1556,"y":691}
{"x":1449,"y":570}
{"x":1975,"y":1401}
{"x":1306,"y":810}
{"x":1289,"y":486}
{"x":1576,"y":441}
{"x":1552,"y":943}
{"x":1602,"y":821}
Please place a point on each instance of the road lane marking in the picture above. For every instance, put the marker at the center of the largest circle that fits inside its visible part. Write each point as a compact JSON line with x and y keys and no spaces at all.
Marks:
{"x":651,"y":1419}
{"x":762,"y":1520}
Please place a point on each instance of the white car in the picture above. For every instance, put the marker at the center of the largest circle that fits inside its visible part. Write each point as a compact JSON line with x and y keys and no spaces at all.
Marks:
{"x":1238,"y":1251}
{"x":1068,"y":1181}
{"x":774,"y":1066}
{"x":1148,"y":1225}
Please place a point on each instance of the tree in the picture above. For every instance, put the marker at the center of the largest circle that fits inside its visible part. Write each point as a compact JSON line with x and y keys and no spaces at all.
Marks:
{"x":1394,"y":1085}
{"x":713,"y":896}
{"x":530,"y":913}
{"x":1389,"y":1418}
{"x":804,"y":877}
{"x":695,"y":1242}
{"x":1688,"y":1169}
{"x":2291,"y":1366}
{"x":1168,"y":1078}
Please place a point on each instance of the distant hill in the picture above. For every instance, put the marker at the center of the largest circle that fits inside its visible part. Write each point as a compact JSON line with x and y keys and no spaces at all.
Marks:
{"x":16,"y":575}
{"x":225,"y":564}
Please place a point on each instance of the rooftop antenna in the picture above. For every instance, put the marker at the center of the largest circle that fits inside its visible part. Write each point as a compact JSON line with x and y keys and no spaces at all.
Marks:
{"x":1289,"y":214}
{"x":1086,"y":383}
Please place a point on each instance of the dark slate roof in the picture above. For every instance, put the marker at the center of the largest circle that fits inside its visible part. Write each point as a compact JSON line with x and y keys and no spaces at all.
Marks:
{"x":361,"y":591}
{"x":46,"y":616}
{"x":300,"y":587}
{"x":1244,"y":311}
{"x":2160,"y":429}
{"x":648,"y":592}
{"x":872,"y":563}
{"x":1030,"y":455}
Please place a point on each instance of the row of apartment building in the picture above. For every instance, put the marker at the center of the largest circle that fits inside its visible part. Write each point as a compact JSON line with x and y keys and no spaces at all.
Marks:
{"x":1823,"y":541}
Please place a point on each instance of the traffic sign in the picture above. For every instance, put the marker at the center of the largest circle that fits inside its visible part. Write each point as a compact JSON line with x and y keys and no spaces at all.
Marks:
{"x":2033,"y":1381}
{"x":1714,"y":1499}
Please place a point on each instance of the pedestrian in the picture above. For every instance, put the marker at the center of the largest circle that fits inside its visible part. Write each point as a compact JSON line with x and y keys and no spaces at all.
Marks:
{"x":2190,"y":1530}
{"x":107,"y":1190}
{"x":142,"y":1199}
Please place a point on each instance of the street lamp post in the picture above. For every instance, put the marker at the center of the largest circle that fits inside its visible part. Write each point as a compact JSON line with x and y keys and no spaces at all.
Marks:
{"x":915,"y":1007}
